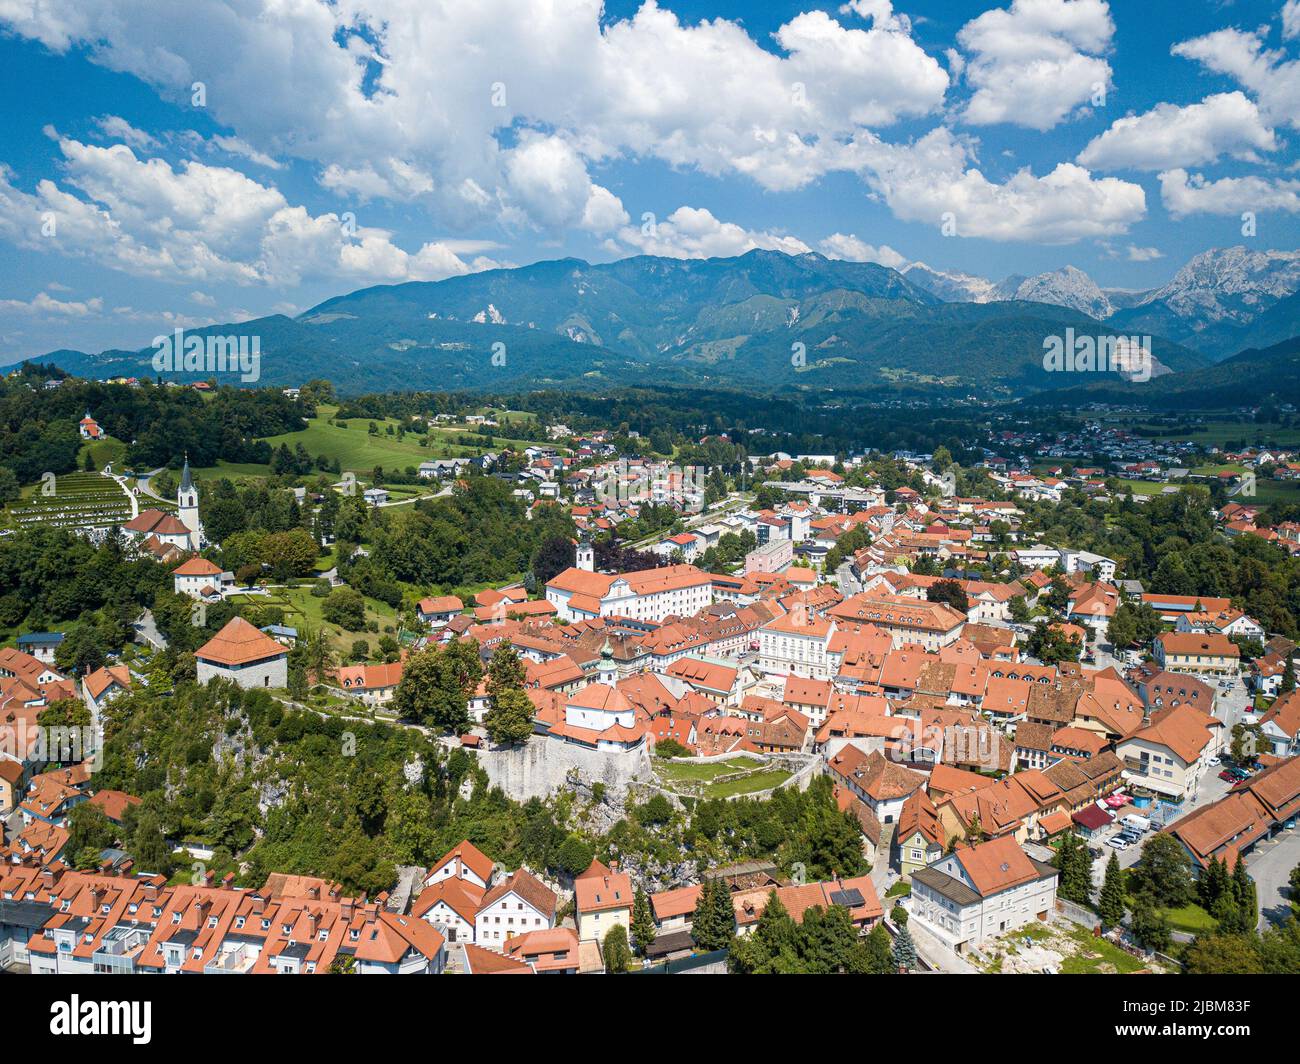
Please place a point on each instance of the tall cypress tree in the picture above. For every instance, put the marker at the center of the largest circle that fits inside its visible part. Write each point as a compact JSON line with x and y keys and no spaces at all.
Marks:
{"x":1111,"y":903}
{"x":643,"y":924}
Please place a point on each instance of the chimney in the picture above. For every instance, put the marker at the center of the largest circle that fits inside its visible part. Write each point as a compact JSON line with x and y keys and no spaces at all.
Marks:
{"x":209,"y":877}
{"x":313,"y":892}
{"x":259,"y":904}
{"x":228,"y":881}
{"x":345,"y":907}
{"x":150,"y":892}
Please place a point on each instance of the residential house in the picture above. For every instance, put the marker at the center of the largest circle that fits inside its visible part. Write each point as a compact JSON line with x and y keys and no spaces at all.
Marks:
{"x":980,"y":892}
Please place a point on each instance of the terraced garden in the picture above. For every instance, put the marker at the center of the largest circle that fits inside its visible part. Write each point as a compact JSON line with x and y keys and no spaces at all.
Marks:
{"x":76,"y":500}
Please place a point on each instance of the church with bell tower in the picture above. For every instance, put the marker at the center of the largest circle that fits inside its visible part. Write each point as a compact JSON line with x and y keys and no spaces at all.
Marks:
{"x":187,"y":507}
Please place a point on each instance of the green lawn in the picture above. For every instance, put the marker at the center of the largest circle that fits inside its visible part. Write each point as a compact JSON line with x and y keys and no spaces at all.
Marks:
{"x":1143,"y":487}
{"x":704,"y":772}
{"x":1269,"y":492}
{"x":1191,"y":918}
{"x":104,"y":451}
{"x":757,"y":781}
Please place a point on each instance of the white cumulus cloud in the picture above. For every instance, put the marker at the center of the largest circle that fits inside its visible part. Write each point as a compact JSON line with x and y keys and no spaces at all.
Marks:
{"x":1170,"y":136}
{"x":1034,"y":63}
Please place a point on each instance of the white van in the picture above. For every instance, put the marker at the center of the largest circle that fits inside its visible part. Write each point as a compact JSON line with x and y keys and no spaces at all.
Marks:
{"x":1137,"y":823}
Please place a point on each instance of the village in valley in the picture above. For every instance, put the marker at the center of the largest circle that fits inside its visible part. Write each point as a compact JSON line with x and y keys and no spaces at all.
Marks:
{"x":874,"y":712}
{"x":648,"y":487}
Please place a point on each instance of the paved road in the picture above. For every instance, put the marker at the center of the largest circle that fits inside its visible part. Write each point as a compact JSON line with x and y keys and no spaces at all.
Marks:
{"x":145,"y":484}
{"x":1269,"y":865}
{"x":849,"y":585}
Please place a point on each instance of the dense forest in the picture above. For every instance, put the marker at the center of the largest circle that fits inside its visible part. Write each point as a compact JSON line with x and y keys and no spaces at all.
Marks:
{"x":38,"y":425}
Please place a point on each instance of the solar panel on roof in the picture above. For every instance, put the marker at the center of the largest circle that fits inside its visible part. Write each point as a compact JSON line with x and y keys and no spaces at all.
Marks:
{"x":850,"y":899}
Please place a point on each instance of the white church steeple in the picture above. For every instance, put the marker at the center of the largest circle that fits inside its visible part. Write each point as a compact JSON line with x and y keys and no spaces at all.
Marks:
{"x":187,"y":506}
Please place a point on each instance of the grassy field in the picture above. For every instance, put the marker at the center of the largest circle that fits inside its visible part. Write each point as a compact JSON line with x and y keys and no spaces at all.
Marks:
{"x":1097,"y":956}
{"x":1212,"y":431}
{"x":1272,"y":492}
{"x":355,"y":449}
{"x":104,"y":451}
{"x":1143,"y":487}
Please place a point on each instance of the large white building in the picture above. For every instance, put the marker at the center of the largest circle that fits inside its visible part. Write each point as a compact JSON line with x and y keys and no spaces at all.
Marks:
{"x":794,"y":644}
{"x":980,"y":892}
{"x":647,"y":594}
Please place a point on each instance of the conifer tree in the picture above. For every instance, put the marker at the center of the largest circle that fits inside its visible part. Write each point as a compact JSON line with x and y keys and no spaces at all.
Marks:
{"x":904,"y":954}
{"x":1111,"y":903}
{"x":643,"y":925}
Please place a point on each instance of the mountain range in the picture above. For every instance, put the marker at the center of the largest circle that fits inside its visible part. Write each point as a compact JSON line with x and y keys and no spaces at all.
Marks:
{"x":762,"y":321}
{"x":1222,"y":301}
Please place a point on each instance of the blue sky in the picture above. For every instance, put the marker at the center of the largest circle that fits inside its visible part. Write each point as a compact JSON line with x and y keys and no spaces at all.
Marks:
{"x":379,"y":141}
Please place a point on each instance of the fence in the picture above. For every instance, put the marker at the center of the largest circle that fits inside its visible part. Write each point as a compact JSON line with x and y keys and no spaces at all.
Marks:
{"x":713,"y":963}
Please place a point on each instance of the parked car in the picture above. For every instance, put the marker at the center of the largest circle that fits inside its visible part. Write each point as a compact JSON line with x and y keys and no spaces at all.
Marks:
{"x":1229,"y":775}
{"x":1136,"y":823}
{"x":1216,"y":761}
{"x":1119,"y":842}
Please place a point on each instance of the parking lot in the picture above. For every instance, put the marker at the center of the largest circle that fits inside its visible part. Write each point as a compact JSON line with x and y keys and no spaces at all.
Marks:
{"x":1211,"y":790}
{"x":1269,"y":865}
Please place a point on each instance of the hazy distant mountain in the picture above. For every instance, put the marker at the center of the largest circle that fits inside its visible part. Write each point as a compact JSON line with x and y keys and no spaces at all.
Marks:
{"x":1220,"y":302}
{"x":1066,"y":287}
{"x":951,"y":287}
{"x":761,"y":321}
